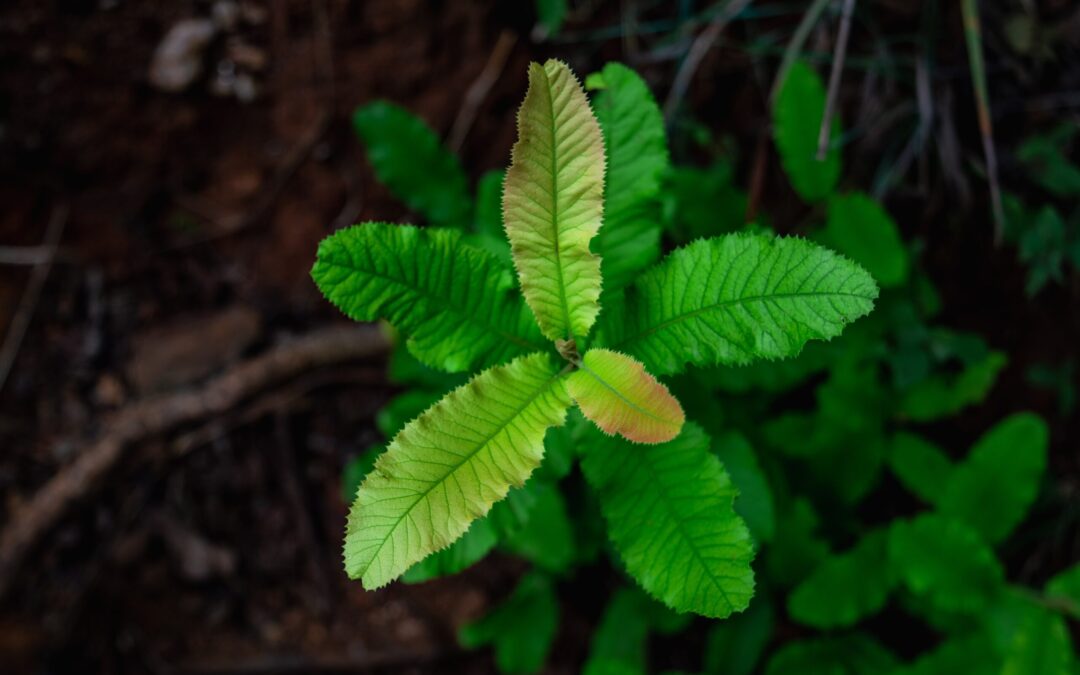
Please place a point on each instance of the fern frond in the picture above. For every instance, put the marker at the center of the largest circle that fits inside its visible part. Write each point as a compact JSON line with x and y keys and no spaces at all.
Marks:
{"x":553,"y":202}
{"x":456,"y":304}
{"x":447,"y":467}
{"x":736,"y":298}
{"x":670,"y":514}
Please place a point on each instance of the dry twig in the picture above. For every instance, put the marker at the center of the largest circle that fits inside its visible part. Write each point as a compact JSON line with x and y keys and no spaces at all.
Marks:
{"x":479,"y":89}
{"x":834,"y":79}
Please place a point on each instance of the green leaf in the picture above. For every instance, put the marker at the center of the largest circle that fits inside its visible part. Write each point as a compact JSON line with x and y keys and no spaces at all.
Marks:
{"x":847,"y":587}
{"x":735,"y":645}
{"x":477,"y":542}
{"x":618,"y":646}
{"x":670,"y":514}
{"x":456,"y":304}
{"x":941,"y":395}
{"x":737,"y":298}
{"x":403,"y":408}
{"x":755,"y":502}
{"x":705,"y":202}
{"x":614,"y":391}
{"x":1047,"y":162}
{"x":355,"y":470}
{"x":547,"y":539}
{"x":1041,"y":645}
{"x":637,"y":157}
{"x":945,"y":562}
{"x":993,"y":488}
{"x":854,"y":654}
{"x":921,"y":466}
{"x":448,"y":466}
{"x":797,"y":548}
{"x":797,"y":113}
{"x":860,"y":228}
{"x":409,"y":159}
{"x":551,"y":14}
{"x":521,"y":629}
{"x":968,"y":654}
{"x":553,"y":202}
{"x":1064,"y":588}
{"x":490,"y":234}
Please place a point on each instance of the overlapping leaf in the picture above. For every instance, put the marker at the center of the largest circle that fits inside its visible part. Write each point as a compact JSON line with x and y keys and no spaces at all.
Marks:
{"x":846,"y":587}
{"x":553,"y":202}
{"x":637,"y":158}
{"x":736,"y":298}
{"x":859,"y":227}
{"x":456,"y":304}
{"x":446,"y":468}
{"x":670,"y":514}
{"x":410,"y":160}
{"x":614,"y":391}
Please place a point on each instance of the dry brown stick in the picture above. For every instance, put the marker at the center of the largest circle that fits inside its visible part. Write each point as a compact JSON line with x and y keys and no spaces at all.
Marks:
{"x":479,"y":89}
{"x":701,"y":46}
{"x":158,"y":414}
{"x":21,"y":321}
{"x":834,"y":79}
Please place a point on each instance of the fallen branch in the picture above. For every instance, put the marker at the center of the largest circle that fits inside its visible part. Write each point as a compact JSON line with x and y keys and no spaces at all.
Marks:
{"x":159,"y":414}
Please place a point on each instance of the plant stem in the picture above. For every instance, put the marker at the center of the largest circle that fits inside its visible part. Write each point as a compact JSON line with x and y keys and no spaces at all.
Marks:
{"x":834,"y":79}
{"x":791,"y":53}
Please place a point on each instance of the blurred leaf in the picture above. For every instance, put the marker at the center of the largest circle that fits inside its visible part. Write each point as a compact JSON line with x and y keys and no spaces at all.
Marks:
{"x":735,"y":645}
{"x":943,"y":395}
{"x":410,"y":160}
{"x":489,"y":234}
{"x":547,"y":539}
{"x":406,"y":369}
{"x":993,"y":488}
{"x":1041,"y":645}
{"x":551,"y":14}
{"x":968,"y":654}
{"x":470,"y":549}
{"x":772,"y":376}
{"x":355,"y":470}
{"x":618,"y":646}
{"x":797,"y":548}
{"x":755,"y":502}
{"x":1064,"y":588}
{"x":1046,"y":161}
{"x":404,"y":408}
{"x":946,"y":562}
{"x":1058,"y":378}
{"x":860,"y":228}
{"x":854,"y":654}
{"x":797,"y":114}
{"x":637,"y":158}
{"x":703,"y":202}
{"x":521,"y":629}
{"x":921,"y":466}
{"x":845,"y":587}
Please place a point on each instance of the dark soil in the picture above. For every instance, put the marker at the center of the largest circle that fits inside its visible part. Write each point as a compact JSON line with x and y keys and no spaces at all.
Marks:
{"x":192,"y":223}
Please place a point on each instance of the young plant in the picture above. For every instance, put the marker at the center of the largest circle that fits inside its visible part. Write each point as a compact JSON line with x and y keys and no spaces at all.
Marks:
{"x":544,"y":344}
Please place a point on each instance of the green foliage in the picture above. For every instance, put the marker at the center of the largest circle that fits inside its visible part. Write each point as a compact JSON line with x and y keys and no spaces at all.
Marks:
{"x":669,"y":510}
{"x":521,"y":629}
{"x":551,"y":14}
{"x":946,"y":394}
{"x":860,"y":228}
{"x":921,"y":466}
{"x":797,"y":114}
{"x":755,"y":501}
{"x":703,"y":202}
{"x":1064,"y":588}
{"x":619,"y":646}
{"x":1045,"y":159}
{"x":735,"y":646}
{"x":410,"y":160}
{"x":772,"y":296}
{"x":854,"y":654}
{"x":1041,"y":645}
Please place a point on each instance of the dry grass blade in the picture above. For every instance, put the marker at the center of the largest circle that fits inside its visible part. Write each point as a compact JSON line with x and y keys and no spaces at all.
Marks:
{"x":834,"y":79}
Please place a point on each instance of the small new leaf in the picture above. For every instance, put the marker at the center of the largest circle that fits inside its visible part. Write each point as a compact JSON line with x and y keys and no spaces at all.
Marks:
{"x":614,"y":391}
{"x":736,"y":298}
{"x":447,"y":467}
{"x":553,"y":202}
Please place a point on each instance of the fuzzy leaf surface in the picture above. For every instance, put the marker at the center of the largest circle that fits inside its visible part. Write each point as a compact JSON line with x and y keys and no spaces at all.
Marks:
{"x":797,"y":113}
{"x":456,"y":304}
{"x":670,"y":514}
{"x":637,"y":158}
{"x":412,"y":162}
{"x":736,"y":298}
{"x":553,"y":202}
{"x":995,"y":486}
{"x":450,"y":465}
{"x":614,"y":391}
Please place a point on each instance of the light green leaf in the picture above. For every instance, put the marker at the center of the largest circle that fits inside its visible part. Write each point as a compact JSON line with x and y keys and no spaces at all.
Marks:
{"x":945,"y":562}
{"x":847,"y":587}
{"x":448,"y":466}
{"x":921,"y":466}
{"x":797,"y":113}
{"x":521,"y":629}
{"x":860,"y":228}
{"x":455,"y":303}
{"x":670,"y":514}
{"x":755,"y":502}
{"x":855,"y":654}
{"x":993,"y":488}
{"x":553,"y":202}
{"x":477,"y":542}
{"x":944,"y":395}
{"x":737,"y":298}
{"x":1064,"y":589}
{"x":637,"y":157}
{"x":410,"y":160}
{"x":735,"y":645}
{"x":614,"y":391}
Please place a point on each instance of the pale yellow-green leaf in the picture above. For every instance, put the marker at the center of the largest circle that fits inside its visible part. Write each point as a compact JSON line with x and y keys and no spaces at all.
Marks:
{"x":447,"y":467}
{"x":615,"y":391}
{"x":553,"y":202}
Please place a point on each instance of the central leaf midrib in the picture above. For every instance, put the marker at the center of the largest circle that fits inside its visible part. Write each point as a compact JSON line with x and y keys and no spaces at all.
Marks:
{"x":624,"y":399}
{"x":453,"y":468}
{"x":728,"y":303}
{"x":555,"y":209}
